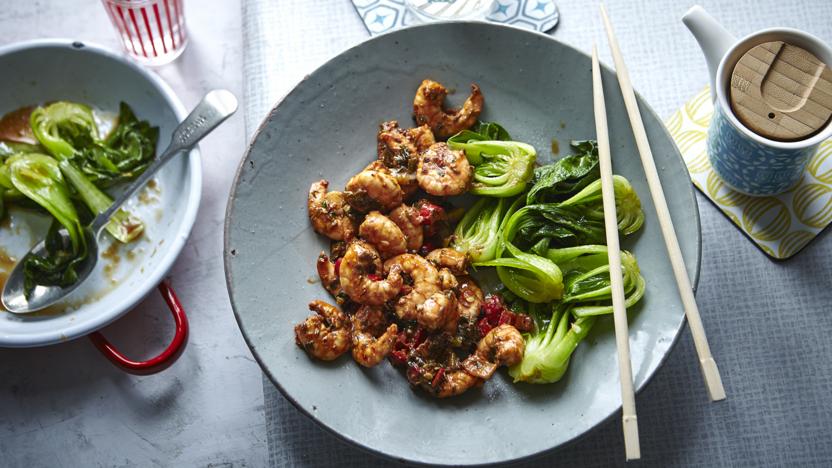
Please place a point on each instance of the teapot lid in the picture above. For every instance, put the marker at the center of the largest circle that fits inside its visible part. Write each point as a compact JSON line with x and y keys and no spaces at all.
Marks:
{"x":781,"y":91}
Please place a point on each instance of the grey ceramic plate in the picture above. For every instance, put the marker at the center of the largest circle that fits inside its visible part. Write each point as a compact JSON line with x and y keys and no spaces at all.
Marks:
{"x":539,"y":89}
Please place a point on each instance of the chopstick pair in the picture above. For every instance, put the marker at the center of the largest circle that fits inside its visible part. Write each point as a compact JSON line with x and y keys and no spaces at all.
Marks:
{"x":710,"y":372}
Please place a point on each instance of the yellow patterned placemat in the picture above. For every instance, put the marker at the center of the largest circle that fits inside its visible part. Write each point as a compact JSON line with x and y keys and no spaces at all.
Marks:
{"x":780,"y":225}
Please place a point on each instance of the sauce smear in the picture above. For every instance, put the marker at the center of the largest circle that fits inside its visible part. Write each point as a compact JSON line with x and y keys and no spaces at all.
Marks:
{"x":14,"y":126}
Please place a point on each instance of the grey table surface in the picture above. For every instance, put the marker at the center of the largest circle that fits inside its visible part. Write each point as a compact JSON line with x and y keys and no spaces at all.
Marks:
{"x":768,"y":322}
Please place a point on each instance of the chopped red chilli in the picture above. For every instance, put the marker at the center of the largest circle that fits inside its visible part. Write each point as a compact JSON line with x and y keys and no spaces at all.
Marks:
{"x":399,"y":357}
{"x":437,"y":379}
{"x":405,"y":344}
{"x":524,"y":323}
{"x":506,"y":317}
{"x":338,"y":266}
{"x":494,"y":312}
{"x":483,"y":326}
{"x":430,"y":213}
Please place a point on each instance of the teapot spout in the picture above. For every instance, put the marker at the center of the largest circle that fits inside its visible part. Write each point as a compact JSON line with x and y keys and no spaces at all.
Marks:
{"x":713,"y":39}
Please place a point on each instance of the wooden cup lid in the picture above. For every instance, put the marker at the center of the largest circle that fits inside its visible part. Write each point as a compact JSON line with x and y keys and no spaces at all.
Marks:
{"x":781,"y":91}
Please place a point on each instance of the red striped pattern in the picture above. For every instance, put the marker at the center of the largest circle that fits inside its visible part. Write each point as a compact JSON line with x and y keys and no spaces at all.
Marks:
{"x":148,"y":29}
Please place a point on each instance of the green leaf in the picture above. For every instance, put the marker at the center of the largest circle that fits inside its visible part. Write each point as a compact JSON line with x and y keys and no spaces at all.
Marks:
{"x":501,"y":168}
{"x":39,"y":178}
{"x":57,"y":268}
{"x":123,"y":154}
{"x":8,"y":148}
{"x":586,"y":278}
{"x":562,"y":226}
{"x":555,"y":182}
{"x":589,"y":200}
{"x":482,"y":132}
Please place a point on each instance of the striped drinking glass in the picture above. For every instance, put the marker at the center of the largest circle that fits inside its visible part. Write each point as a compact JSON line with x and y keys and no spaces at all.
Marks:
{"x":151,"y":31}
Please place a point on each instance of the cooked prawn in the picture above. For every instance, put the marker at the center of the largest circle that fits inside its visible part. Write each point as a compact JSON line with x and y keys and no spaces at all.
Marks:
{"x":395,"y":148}
{"x":329,"y":278}
{"x":425,"y":279}
{"x":360,"y":275}
{"x":443,"y":171}
{"x":447,"y":280}
{"x":398,"y":147}
{"x":427,"y":109}
{"x":421,"y":136}
{"x":408,"y":220}
{"x":502,"y":345}
{"x":369,"y":345}
{"x":329,"y":212}
{"x":325,"y":335}
{"x":406,"y":179}
{"x":470,"y":298}
{"x":456,"y":382}
{"x":373,"y":189}
{"x":451,"y":259}
{"x":384,"y":234}
{"x":439,"y":311}
{"x":405,"y":176}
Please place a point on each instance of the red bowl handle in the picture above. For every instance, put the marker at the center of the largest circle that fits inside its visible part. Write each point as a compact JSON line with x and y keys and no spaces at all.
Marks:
{"x":167,"y":357}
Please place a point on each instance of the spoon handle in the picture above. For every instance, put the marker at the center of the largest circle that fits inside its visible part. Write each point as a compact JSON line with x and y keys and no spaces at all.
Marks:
{"x":214,"y":108}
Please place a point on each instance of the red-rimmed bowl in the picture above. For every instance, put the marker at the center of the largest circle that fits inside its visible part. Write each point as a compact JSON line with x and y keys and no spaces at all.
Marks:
{"x":48,"y":70}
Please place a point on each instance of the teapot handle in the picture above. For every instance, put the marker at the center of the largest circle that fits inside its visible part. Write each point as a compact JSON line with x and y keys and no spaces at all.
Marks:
{"x":712,"y":37}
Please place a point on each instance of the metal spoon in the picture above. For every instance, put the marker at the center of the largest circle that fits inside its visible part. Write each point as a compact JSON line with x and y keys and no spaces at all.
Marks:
{"x":214,"y":108}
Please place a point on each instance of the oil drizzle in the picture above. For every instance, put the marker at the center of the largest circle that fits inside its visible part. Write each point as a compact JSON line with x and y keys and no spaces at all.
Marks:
{"x":111,"y":254}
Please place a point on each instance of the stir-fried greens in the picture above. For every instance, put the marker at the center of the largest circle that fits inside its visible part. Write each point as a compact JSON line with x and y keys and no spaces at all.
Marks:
{"x":548,"y":251}
{"x":66,"y":174}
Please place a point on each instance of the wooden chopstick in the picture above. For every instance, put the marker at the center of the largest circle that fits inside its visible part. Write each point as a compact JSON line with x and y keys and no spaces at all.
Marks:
{"x":706,"y":362}
{"x":619,"y":310}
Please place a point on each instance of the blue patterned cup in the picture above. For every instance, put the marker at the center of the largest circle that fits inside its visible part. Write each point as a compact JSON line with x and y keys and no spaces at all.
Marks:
{"x":745,"y":161}
{"x":751,"y":164}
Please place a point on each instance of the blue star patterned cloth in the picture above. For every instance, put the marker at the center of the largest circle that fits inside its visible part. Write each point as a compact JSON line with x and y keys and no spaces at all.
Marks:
{"x":381,"y":16}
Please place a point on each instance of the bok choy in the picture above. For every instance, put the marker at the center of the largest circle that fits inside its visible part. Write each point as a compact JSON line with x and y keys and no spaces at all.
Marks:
{"x":579,"y":219}
{"x":502,"y":168}
{"x":478,"y":232}
{"x":586,"y":277}
{"x":64,"y":173}
{"x":531,"y":277}
{"x":39,"y":178}
{"x":549,"y":351}
{"x":586,"y":294}
{"x":69,"y":132}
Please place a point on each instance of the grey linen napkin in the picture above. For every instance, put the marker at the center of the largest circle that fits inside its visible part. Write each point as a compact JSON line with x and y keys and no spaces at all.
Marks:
{"x":769,"y":323}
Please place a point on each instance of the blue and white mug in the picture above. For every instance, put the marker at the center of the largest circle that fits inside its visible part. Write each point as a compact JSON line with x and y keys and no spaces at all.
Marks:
{"x":745,"y":161}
